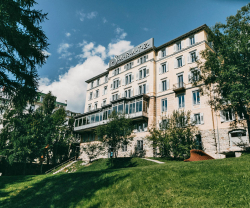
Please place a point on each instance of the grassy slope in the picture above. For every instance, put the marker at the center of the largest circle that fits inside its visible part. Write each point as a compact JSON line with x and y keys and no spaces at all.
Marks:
{"x":214,"y":183}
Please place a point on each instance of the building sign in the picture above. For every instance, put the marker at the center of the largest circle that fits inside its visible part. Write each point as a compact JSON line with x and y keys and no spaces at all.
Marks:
{"x":132,"y":52}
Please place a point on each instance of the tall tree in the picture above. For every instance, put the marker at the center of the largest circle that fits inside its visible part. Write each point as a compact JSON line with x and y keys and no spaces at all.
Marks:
{"x":116,"y":132}
{"x":22,"y":49}
{"x":176,"y":135}
{"x":226,"y":70}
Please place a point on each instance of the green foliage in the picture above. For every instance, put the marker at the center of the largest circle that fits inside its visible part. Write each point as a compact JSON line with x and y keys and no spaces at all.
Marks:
{"x":176,"y":135}
{"x":22,"y":49}
{"x":93,"y":150}
{"x":116,"y":132}
{"x":226,"y":70}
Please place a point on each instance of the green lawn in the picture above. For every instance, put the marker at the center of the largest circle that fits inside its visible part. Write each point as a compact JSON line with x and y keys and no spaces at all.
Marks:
{"x":135,"y":183}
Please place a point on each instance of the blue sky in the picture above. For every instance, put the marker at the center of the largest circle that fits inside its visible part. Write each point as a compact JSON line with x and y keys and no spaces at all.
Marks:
{"x":83,"y":35}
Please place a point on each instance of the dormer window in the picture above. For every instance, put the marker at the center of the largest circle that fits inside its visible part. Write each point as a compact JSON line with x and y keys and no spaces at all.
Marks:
{"x":97,"y":82}
{"x":92,"y":84}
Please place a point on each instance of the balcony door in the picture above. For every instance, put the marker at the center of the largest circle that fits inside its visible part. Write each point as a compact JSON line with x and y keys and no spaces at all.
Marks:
{"x":180,"y":81}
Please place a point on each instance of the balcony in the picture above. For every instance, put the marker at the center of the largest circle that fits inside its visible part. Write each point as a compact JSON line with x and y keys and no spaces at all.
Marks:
{"x":179,"y":87}
{"x":91,"y":126}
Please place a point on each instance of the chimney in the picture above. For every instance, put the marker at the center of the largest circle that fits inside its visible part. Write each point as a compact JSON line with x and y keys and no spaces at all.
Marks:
{"x":65,"y":101}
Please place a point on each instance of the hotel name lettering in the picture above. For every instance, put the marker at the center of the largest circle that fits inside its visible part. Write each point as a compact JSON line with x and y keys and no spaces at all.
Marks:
{"x":132,"y":52}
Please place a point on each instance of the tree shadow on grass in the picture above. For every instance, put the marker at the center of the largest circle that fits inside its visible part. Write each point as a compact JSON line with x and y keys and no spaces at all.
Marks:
{"x":121,"y":163}
{"x":64,"y":190}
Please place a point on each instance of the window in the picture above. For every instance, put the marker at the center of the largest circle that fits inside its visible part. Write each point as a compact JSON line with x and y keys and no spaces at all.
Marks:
{"x":97,"y":93}
{"x":180,"y":81}
{"x":114,"y":97}
{"x":143,"y":59}
{"x":163,"y":52}
{"x":192,"y":41}
{"x":142,"y":89}
{"x":106,"y":78}
{"x":198,"y":142}
{"x":179,"y":62}
{"x":163,"y":124}
{"x":124,"y":148}
{"x":117,"y":71}
{"x":142,"y":73}
{"x":139,"y":106}
{"x":91,"y":95}
{"x":89,"y":107}
{"x":181,"y":101}
{"x":227,"y":115}
{"x":127,"y":93}
{"x":128,"y":66}
{"x":105,"y":90}
{"x":115,"y":83}
{"x":128,"y":79}
{"x":104,"y":102}
{"x":92,"y":84}
{"x":95,"y":106}
{"x":164,"y":105}
{"x":197,"y":118}
{"x":97,"y":82}
{"x":132,"y":108}
{"x":194,"y":76}
{"x":193,"y":57}
{"x":139,"y":144}
{"x":178,"y":46}
{"x":164,"y":68}
{"x":196,"y":97}
{"x":164,"y":85}
{"x":120,"y":108}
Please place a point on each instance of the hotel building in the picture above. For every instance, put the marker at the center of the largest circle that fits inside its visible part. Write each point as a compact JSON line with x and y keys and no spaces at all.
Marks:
{"x":148,"y":83}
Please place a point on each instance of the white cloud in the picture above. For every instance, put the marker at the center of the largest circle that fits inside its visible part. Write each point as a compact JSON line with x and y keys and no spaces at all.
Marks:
{"x":46,"y":53}
{"x":83,"y":15}
{"x":119,"y":47}
{"x":67,"y":34}
{"x":71,"y":85}
{"x":145,"y":29}
{"x":120,"y":33}
{"x":104,"y":20}
{"x":91,"y":15}
{"x":63,"y":50}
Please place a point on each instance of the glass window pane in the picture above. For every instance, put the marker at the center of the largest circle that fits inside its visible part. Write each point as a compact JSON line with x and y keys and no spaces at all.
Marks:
{"x":127,"y":109}
{"x":120,"y":109}
{"x":97,"y":117}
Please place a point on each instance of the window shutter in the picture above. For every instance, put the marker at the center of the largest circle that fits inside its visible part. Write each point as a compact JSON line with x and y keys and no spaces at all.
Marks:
{"x":168,"y":80}
{"x":119,"y":82}
{"x":123,"y":81}
{"x":175,"y":47}
{"x":189,"y":58}
{"x":196,"y":38}
{"x":160,"y":87}
{"x":159,"y":54}
{"x":110,"y":99}
{"x":166,"y":51}
{"x":202,"y":118}
{"x":183,"y":60}
{"x":192,"y":119}
{"x":188,"y":42}
{"x":132,"y":92}
{"x":147,"y":57}
{"x":136,"y":91}
{"x":111,"y":87}
{"x":147,"y":86}
{"x":132,"y":78}
{"x":222,"y":117}
{"x":138,"y":61}
{"x":113,"y":73}
{"x":189,"y":77}
{"x":89,"y":97}
{"x":147,"y":72}
{"x":167,"y":67}
{"x":125,"y":67}
{"x":94,"y":94}
{"x":123,"y":94}
{"x":132,"y":63}
{"x":182,"y":44}
{"x":198,"y":54}
{"x":233,"y":114}
{"x":175,"y":63}
{"x":137,"y":75}
{"x":160,"y":70}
